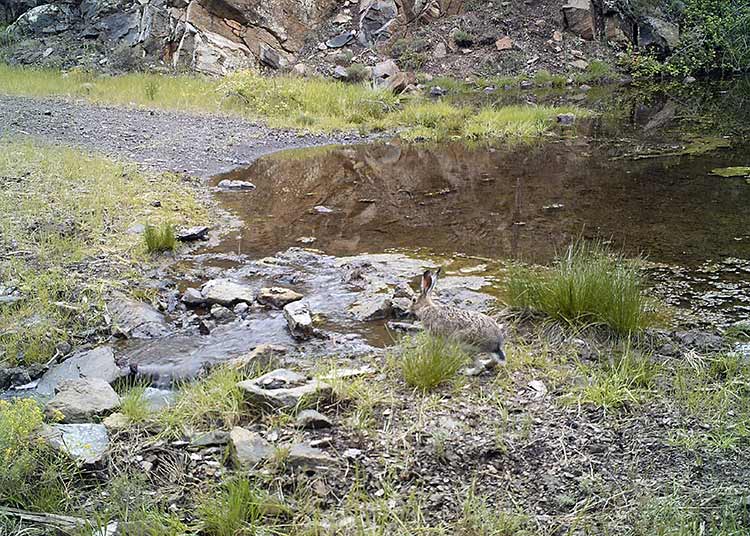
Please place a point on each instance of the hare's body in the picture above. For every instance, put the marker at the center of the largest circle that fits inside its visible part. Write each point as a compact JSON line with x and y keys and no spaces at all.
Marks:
{"x":469,"y":327}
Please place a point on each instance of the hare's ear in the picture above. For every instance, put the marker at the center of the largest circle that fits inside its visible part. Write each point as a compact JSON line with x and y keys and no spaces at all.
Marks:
{"x":435,"y":276}
{"x":427,"y":282}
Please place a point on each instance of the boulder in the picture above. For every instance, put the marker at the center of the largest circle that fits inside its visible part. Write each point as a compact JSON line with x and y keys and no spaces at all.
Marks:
{"x":341,"y":40}
{"x":376,"y":19}
{"x":85,"y":443}
{"x":81,"y":400}
{"x":386,"y":74}
{"x":303,"y":456}
{"x":264,"y":356}
{"x":135,"y":319}
{"x":219,"y":312}
{"x":47,"y":19}
{"x":372,"y":308}
{"x":193,"y":296}
{"x":313,"y":420}
{"x":578,"y":18}
{"x":91,"y":364}
{"x":340,"y":73}
{"x":658,"y":35}
{"x":283,"y":389}
{"x":248,"y":449}
{"x":277,"y":297}
{"x":226,"y":292}
{"x":299,"y":320}
{"x":269,"y":57}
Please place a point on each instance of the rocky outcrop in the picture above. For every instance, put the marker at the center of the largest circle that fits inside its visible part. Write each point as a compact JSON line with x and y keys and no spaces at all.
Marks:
{"x":78,"y":401}
{"x":98,"y":363}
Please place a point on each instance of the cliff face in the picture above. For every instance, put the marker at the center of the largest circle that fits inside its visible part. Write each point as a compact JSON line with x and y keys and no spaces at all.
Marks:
{"x":219,"y":36}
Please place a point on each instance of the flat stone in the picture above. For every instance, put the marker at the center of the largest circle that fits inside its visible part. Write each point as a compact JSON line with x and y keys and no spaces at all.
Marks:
{"x":116,"y":421}
{"x":303,"y":456}
{"x":193,"y":296}
{"x":371,"y":308}
{"x":313,"y":420}
{"x":219,"y":312}
{"x":248,"y":448}
{"x":581,"y":65}
{"x":340,"y":73}
{"x":566,"y":119}
{"x":504,"y":43}
{"x":85,"y":443}
{"x":278,"y":297}
{"x":82,"y":399}
{"x":135,"y":319}
{"x":158,"y":399}
{"x":97,"y":363}
{"x":299,"y":320}
{"x":214,"y":438}
{"x":340,"y":40}
{"x":270,"y":57}
{"x":228,"y":184}
{"x":226,"y":292}
{"x":282,"y":389}
{"x":440,"y":51}
{"x":264,"y":356}
{"x":193,"y":233}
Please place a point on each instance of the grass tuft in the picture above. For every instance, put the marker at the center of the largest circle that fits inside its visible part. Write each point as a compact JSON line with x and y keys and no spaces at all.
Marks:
{"x":427,"y":361}
{"x":237,"y":507}
{"x":589,"y":285}
{"x":160,"y":239}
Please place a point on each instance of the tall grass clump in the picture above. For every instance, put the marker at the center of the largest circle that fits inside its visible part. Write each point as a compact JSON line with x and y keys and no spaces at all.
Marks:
{"x":513,"y":121}
{"x":427,"y":361}
{"x":33,"y":477}
{"x":588,"y":285}
{"x":159,"y":239}
{"x":237,"y":507}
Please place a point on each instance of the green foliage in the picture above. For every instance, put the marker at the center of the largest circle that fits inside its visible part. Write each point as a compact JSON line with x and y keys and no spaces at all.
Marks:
{"x":159,"y":239}
{"x":33,"y":477}
{"x":237,"y":507}
{"x":151,"y":89}
{"x":463,"y":39}
{"x":428,"y":361}
{"x":134,"y":406}
{"x":677,"y":515}
{"x":410,"y":53}
{"x":481,"y":519}
{"x":588,"y":285}
{"x":357,"y":73}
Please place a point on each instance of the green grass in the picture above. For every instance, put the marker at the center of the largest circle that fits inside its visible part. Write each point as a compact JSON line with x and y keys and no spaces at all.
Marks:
{"x":55,"y":222}
{"x":134,"y":406}
{"x":237,"y":507}
{"x":314,"y":104}
{"x":159,"y":239}
{"x":212,"y":402}
{"x":427,"y":362}
{"x":480,"y":518}
{"x":588,"y":285}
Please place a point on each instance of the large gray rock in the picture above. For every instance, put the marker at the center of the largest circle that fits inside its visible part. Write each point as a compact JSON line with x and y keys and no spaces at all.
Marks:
{"x":299,"y":320}
{"x":377,"y":19}
{"x":303,"y":456}
{"x":658,"y":35}
{"x":97,"y":363}
{"x":85,"y":443}
{"x":226,"y":292}
{"x":135,"y":319}
{"x":81,"y":400}
{"x":312,"y":419}
{"x":46,"y":19}
{"x":283,"y":389}
{"x":578,"y":18}
{"x":249,"y":449}
{"x":278,"y":297}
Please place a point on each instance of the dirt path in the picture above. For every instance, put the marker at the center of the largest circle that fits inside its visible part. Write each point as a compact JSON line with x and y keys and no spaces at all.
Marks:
{"x":202,"y":145}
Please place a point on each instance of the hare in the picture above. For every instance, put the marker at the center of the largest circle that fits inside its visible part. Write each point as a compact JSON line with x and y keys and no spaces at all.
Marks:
{"x":475,"y":329}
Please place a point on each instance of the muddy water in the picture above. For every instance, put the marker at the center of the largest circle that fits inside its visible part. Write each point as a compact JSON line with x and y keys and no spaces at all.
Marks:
{"x":641,"y":180}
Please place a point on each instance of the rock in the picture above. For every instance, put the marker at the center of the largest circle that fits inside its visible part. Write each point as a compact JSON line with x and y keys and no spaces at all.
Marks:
{"x":312,"y":419}
{"x":248,"y":449}
{"x":13,"y":377}
{"x":342,"y":18}
{"x":504,"y":43}
{"x":192,"y":233}
{"x":658,"y":35}
{"x":700,"y":340}
{"x":300,"y":69}
{"x":526,"y":84}
{"x":578,"y":18}
{"x":282,"y":389}
{"x":320,"y":209}
{"x":98,"y":363}
{"x":387,"y":75}
{"x":566,"y":119}
{"x":44,"y":20}
{"x":340,"y":40}
{"x":277,"y":297}
{"x":116,"y":421}
{"x":81,"y":400}
{"x":689,"y":80}
{"x":228,"y":184}
{"x":136,"y":319}
{"x":437,"y":91}
{"x":269,"y":57}
{"x":193,"y":296}
{"x":214,"y":438}
{"x":299,"y":320}
{"x":352,"y":454}
{"x":538,"y":388}
{"x":241,"y":308}
{"x":264,"y":356}
{"x":581,"y":65}
{"x":219,"y":312}
{"x":584,"y":87}
{"x":557,"y":36}
{"x":404,"y":327}
{"x":376,"y":19}
{"x":303,"y":456}
{"x":385,"y":69}
{"x":157,"y":400}
{"x":85,"y":443}
{"x":340,"y":73}
{"x":440,"y":51}
{"x":307,"y":240}
{"x":226,"y":292}
{"x":371,"y":308}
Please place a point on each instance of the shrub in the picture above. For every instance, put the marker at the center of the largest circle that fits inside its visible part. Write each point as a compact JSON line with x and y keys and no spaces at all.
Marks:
{"x":588,"y":285}
{"x":159,"y":239}
{"x":151,"y":89}
{"x":357,"y":73}
{"x":463,"y":38}
{"x":32,"y":475}
{"x":428,"y":361}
